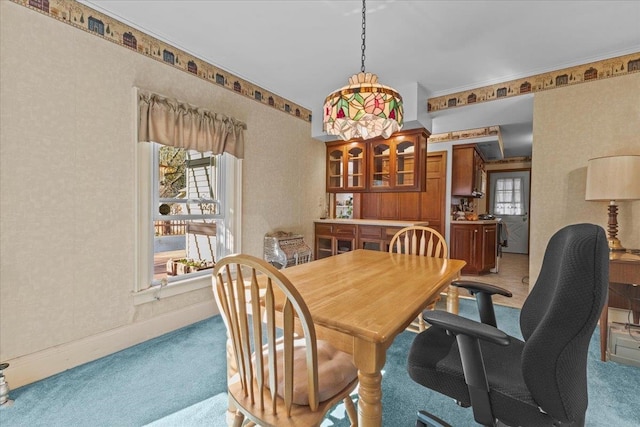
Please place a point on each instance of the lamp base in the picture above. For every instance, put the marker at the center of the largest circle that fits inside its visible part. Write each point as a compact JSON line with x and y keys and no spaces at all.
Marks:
{"x":614,"y":242}
{"x":615,"y":245}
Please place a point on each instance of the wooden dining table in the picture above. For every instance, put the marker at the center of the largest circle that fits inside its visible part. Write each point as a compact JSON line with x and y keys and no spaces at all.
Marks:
{"x":361,"y":300}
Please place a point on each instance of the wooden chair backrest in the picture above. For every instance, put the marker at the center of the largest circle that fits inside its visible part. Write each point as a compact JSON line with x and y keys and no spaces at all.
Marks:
{"x":244,"y":289}
{"x":419,"y":240}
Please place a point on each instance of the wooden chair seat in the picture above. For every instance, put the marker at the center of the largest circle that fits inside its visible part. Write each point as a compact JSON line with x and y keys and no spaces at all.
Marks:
{"x":335,"y":370}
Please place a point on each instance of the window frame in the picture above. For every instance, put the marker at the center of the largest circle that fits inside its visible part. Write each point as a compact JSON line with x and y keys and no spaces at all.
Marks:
{"x":515,"y":204}
{"x":228,"y":230}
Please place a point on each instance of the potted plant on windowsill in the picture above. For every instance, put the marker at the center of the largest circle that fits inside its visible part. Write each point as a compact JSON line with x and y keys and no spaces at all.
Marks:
{"x":185,"y":266}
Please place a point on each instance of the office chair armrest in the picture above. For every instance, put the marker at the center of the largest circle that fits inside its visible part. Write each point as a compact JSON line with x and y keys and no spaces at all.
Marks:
{"x":475,"y":287}
{"x":468,"y":335}
{"x":461,"y":325}
{"x":483,"y":293}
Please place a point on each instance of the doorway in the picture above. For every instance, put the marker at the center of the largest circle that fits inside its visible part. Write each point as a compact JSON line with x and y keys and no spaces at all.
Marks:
{"x":509,"y":198}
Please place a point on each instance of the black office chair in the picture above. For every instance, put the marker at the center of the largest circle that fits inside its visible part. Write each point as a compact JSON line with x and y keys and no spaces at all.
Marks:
{"x":541,"y":381}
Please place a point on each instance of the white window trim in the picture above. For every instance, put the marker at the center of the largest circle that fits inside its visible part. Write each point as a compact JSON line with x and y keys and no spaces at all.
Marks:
{"x":228,"y":236}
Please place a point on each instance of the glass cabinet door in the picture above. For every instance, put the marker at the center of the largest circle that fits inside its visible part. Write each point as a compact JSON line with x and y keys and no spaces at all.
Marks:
{"x":335,"y":169}
{"x":405,"y":163}
{"x":355,"y":167}
{"x":324,"y":246}
{"x":344,"y":245}
{"x":380,"y":165}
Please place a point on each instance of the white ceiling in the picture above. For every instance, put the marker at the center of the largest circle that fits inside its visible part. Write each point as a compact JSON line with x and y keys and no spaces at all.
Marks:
{"x":303,"y":50}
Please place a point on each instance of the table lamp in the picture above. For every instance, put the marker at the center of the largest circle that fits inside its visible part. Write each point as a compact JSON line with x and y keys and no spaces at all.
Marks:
{"x":613,"y":178}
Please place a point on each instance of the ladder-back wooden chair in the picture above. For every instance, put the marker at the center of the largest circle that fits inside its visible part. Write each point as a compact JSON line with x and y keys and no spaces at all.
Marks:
{"x":423,"y":241}
{"x":283,"y":375}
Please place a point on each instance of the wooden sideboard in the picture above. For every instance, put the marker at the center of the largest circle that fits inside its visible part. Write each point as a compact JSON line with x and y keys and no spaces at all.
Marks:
{"x":336,"y":236}
{"x":624,"y":293}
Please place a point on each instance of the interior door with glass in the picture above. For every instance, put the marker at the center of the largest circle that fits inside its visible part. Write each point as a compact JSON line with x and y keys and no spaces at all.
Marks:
{"x":509,"y":200}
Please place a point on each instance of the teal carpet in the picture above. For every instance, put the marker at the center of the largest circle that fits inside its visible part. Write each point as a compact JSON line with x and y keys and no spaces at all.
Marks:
{"x":179,"y":379}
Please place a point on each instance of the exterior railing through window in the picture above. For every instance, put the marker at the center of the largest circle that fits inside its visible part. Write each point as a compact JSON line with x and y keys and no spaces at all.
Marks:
{"x":170,"y":228}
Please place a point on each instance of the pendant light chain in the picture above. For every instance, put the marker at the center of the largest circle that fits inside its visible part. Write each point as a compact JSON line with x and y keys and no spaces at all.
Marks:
{"x":364,"y":25}
{"x":364,"y":108}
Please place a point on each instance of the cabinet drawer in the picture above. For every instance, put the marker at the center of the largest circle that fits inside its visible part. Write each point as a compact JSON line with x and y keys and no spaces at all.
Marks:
{"x":390,"y":232}
{"x":344,"y":230}
{"x":324,"y":229}
{"x":334,"y":229}
{"x":371,"y":231}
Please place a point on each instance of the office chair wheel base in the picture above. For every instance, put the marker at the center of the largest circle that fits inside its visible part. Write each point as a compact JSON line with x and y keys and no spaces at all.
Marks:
{"x":426,"y":419}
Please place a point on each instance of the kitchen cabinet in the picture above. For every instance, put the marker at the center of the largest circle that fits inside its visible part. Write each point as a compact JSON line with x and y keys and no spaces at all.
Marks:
{"x":378,"y":164}
{"x":476,"y":243}
{"x":346,"y":162}
{"x":334,"y":238}
{"x":468,"y":177}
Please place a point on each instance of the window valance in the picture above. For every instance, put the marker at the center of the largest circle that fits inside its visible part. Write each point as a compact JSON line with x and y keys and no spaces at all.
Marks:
{"x":171,"y":122}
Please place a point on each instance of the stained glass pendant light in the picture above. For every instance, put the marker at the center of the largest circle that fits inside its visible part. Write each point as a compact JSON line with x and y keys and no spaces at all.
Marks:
{"x":364,"y":108}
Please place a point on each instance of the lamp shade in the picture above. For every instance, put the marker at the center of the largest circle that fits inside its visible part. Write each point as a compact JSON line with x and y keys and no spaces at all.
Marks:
{"x":363,"y":109}
{"x":613,"y":178}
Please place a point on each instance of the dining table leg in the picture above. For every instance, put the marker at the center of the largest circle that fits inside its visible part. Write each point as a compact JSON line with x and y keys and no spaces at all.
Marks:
{"x":369,"y":358}
{"x":453,"y":303}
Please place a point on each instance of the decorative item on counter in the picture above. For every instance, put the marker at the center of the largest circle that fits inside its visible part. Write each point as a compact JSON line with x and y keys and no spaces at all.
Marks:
{"x":283,"y":249}
{"x":471,"y":216}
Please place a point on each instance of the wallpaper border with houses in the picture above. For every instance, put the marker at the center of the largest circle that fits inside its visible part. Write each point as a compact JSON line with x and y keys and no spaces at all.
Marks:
{"x":85,"y":18}
{"x":593,"y":71}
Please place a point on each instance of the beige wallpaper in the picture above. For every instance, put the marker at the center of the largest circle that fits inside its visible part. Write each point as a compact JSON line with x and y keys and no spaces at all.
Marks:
{"x":571,"y":126}
{"x":67,"y":170}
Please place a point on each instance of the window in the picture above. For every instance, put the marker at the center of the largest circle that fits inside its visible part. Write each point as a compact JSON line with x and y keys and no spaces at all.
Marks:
{"x":187,"y":209}
{"x":509,"y":195}
{"x":186,"y":221}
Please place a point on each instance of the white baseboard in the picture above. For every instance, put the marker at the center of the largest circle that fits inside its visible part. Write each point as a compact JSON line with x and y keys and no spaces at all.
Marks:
{"x":36,"y":366}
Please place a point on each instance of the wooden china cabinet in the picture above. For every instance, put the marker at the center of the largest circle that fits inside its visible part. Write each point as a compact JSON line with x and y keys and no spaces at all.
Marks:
{"x":388,"y":179}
